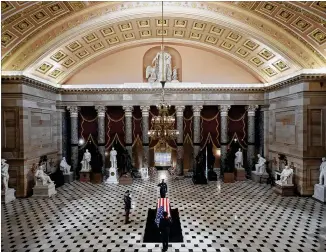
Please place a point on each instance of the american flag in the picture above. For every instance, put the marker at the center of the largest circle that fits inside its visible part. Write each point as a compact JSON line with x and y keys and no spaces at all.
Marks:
{"x":159,"y":215}
{"x":163,"y":205}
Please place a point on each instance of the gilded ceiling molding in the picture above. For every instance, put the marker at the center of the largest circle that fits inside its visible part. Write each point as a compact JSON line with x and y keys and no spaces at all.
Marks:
{"x":224,"y":13}
{"x":301,"y":21}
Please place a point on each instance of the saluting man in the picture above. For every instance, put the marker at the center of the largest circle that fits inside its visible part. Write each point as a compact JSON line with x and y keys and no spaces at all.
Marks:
{"x":163,"y":188}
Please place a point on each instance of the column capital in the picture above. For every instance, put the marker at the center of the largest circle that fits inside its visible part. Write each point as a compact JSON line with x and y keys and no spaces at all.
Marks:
{"x":196,"y":109}
{"x":251,"y":109}
{"x":128,"y":110}
{"x":100,"y":110}
{"x":179,"y":110}
{"x":224,"y":109}
{"x":73,"y":111}
{"x":145,"y":110}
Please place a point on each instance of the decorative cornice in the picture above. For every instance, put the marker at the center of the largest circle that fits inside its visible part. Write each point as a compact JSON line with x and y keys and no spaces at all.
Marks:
{"x":28,"y":81}
{"x":295,"y":80}
{"x":145,"y":88}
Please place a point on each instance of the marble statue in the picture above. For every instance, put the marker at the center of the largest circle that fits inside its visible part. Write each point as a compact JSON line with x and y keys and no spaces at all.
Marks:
{"x":286,"y":176}
{"x":238,"y":161}
{"x":64,"y":167}
{"x":113,"y":158}
{"x":41,"y":176}
{"x":7,"y":194}
{"x":4,"y":174}
{"x":151,"y":74}
{"x":175,"y":74}
{"x":86,"y":167}
{"x":261,"y":165}
{"x":320,"y":188}
{"x":322,"y":172}
{"x":162,"y":67}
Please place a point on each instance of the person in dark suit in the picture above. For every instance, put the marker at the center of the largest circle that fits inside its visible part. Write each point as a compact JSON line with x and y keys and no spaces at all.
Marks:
{"x":163,"y":188}
{"x":127,"y":201}
{"x":165,"y":224}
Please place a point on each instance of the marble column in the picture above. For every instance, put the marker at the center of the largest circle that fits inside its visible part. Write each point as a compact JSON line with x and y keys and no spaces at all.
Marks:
{"x":101,"y":134}
{"x":128,"y":128}
{"x":145,"y":128}
{"x":265,"y":138}
{"x":261,"y":133}
{"x":224,"y":109}
{"x":251,"y":109}
{"x":196,"y":129}
{"x":64,"y":134}
{"x":74,"y":137}
{"x":179,"y":113}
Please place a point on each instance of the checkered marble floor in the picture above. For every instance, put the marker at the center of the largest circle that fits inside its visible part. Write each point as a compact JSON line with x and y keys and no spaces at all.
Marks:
{"x":244,"y":216}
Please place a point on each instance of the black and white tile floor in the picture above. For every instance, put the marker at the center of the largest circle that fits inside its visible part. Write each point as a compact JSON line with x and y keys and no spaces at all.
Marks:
{"x":244,"y":216}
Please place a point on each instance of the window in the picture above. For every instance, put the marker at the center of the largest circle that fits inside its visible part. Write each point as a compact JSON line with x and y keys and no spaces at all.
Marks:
{"x":162,"y":158}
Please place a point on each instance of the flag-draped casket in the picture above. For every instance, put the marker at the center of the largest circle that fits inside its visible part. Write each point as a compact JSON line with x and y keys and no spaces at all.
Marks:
{"x":163,"y":205}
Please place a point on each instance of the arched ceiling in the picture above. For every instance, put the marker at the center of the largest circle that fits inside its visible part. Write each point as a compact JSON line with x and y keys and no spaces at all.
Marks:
{"x":53,"y":40}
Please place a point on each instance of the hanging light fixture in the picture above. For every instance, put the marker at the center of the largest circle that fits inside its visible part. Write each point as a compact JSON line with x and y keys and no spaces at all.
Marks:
{"x":163,"y":124}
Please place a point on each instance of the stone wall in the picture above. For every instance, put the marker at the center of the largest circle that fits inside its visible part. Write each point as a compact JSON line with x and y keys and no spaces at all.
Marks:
{"x":31,"y":128}
{"x":296,"y":128}
{"x":293,"y":122}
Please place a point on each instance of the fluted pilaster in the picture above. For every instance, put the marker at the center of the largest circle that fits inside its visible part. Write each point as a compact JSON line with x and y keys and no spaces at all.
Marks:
{"x":145,"y":128}
{"x":73,"y":110}
{"x":251,"y":110}
{"x":101,"y":133}
{"x":224,"y":110}
{"x":179,"y":113}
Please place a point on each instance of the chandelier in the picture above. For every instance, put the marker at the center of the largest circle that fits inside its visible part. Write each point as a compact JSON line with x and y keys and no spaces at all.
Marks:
{"x":163,"y":124}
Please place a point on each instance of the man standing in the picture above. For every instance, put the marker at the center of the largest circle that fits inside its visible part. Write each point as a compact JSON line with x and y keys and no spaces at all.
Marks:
{"x":164,"y":227}
{"x":163,"y":188}
{"x":127,"y":201}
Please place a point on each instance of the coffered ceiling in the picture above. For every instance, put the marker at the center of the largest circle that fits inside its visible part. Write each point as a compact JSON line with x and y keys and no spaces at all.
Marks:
{"x":53,"y":40}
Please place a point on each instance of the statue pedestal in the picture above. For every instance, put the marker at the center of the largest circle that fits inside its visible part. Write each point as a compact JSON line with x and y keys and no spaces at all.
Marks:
{"x":44,"y":190}
{"x":144,"y":173}
{"x":68,"y":177}
{"x":228,"y":177}
{"x":259,"y":177}
{"x":112,"y":179}
{"x":284,"y":190}
{"x":96,"y":178}
{"x":8,"y":196}
{"x":240,"y":174}
{"x":320,"y":193}
{"x":84,"y":176}
{"x":125,"y":179}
